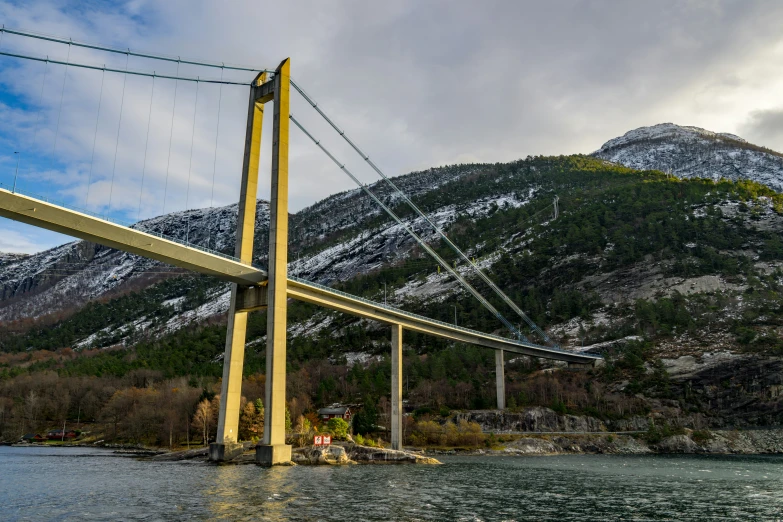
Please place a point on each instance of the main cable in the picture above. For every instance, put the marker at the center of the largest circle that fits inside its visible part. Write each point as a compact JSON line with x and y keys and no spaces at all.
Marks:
{"x":50,"y":38}
{"x":416,"y":209}
{"x":413,"y":234}
{"x":129,"y":71}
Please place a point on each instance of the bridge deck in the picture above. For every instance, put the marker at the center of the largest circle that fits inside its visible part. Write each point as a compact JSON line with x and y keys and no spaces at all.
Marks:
{"x":84,"y":226}
{"x":47,"y":215}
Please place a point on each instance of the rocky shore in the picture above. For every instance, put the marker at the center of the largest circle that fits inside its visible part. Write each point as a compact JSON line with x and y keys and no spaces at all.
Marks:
{"x":721,"y":442}
{"x":335,"y":455}
{"x":351,"y":453}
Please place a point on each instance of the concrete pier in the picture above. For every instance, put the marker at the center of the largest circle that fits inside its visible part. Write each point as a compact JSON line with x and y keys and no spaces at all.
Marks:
{"x":500,"y":378}
{"x":396,"y":387}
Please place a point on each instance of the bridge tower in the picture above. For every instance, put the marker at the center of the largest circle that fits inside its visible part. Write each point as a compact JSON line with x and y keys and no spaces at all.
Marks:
{"x":273,"y":449}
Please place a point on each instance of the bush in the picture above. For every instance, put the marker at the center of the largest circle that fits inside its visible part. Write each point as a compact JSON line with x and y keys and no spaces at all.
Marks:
{"x":701,"y":436}
{"x":656,"y":434}
{"x":338,"y":428}
{"x":463,"y":433}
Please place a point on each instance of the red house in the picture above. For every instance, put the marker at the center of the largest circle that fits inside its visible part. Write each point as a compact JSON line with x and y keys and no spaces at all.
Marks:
{"x":342,"y":412}
{"x":58,"y":435}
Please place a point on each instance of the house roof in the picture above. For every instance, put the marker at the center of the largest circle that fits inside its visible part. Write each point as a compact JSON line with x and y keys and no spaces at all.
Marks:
{"x":333,"y":411}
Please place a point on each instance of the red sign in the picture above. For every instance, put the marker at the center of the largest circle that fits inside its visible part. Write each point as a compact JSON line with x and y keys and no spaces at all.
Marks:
{"x":322,"y":440}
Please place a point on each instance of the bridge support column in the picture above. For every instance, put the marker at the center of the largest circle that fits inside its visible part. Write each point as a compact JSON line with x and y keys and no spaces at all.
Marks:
{"x":396,"y":387}
{"x":226,"y":445}
{"x":500,"y":378}
{"x":274,"y":450}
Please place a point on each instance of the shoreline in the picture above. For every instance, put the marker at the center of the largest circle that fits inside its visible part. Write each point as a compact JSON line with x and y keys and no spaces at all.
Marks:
{"x":685,"y":442}
{"x":705,"y":442}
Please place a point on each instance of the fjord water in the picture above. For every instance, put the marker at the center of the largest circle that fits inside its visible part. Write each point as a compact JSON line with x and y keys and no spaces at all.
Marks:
{"x":86,"y":484}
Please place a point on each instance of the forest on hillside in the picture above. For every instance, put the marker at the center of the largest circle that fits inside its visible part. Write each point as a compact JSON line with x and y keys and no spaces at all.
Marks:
{"x":149,"y":388}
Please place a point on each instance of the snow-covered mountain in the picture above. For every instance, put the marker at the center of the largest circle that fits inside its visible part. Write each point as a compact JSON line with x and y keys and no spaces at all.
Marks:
{"x":692,"y":152}
{"x":333,"y":240}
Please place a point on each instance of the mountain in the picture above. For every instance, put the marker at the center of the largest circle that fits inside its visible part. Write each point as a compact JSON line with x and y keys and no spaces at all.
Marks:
{"x":678,"y":282}
{"x":692,"y":152}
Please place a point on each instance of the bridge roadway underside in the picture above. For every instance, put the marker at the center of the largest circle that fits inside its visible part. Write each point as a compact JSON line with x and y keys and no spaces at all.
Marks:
{"x":84,"y":226}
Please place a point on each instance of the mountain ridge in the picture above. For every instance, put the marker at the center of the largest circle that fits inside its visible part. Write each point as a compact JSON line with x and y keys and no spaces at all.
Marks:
{"x":689,"y":152}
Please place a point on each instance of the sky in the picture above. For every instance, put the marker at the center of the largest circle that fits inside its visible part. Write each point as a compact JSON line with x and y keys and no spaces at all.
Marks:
{"x":415,"y":84}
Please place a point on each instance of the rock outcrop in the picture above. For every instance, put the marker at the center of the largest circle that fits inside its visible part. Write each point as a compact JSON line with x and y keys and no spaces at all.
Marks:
{"x":537,"y":419}
{"x":351,"y":453}
{"x":322,"y":455}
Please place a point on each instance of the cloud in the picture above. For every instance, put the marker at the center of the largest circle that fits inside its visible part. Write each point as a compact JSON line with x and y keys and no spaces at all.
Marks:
{"x":21,"y":239}
{"x":765,"y":127}
{"x":416,"y":84}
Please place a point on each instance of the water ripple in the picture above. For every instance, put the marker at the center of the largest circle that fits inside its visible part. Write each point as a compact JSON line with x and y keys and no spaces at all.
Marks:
{"x":63,"y":484}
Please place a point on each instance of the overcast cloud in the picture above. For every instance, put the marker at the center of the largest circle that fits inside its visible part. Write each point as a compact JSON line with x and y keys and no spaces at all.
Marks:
{"x":418,"y":84}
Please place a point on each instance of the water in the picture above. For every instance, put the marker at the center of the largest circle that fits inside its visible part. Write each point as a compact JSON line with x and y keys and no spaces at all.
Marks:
{"x":87,"y":484}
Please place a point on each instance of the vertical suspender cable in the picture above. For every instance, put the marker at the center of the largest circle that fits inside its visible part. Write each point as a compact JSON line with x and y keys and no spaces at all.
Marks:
{"x":95,"y":138}
{"x":190,"y":166}
{"x":146,"y":146}
{"x":59,"y":113}
{"x":214,"y":160}
{"x":171,"y":139}
{"x":119,"y":126}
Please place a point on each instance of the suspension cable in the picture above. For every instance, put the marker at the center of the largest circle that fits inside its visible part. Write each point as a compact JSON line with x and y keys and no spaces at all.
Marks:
{"x":94,"y":140}
{"x":146,"y":146}
{"x":416,"y":209}
{"x":190,"y":166}
{"x":119,"y":126}
{"x":415,"y":236}
{"x":50,"y":38}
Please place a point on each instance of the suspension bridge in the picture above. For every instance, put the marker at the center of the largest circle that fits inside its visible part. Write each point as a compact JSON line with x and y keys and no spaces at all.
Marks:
{"x":253,"y":287}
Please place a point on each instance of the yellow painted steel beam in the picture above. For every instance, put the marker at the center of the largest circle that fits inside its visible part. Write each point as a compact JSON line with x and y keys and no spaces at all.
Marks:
{"x":84,"y":226}
{"x":337,"y":301}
